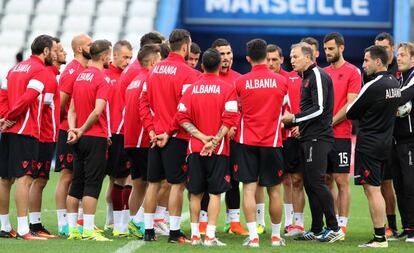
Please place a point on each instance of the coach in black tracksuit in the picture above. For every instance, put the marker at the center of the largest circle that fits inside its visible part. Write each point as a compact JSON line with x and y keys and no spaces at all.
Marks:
{"x":403,"y":148}
{"x":375,"y":108}
{"x":316,"y":139}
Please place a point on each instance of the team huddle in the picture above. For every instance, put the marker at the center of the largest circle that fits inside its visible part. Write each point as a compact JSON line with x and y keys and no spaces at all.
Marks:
{"x":157,"y":126}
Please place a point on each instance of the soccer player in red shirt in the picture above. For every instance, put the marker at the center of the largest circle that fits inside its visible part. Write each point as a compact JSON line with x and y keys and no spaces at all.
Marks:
{"x":346,"y":80}
{"x":88,"y":133}
{"x":48,"y":137}
{"x":118,"y":164}
{"x":165,"y":85}
{"x":194,"y":55}
{"x":64,"y":154}
{"x":21,"y":97}
{"x":208,"y":171}
{"x":259,"y":160}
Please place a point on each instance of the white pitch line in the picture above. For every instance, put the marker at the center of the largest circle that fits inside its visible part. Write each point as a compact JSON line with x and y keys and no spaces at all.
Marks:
{"x":135,"y":245}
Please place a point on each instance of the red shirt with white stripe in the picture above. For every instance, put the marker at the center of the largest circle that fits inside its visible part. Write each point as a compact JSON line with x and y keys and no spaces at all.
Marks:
{"x":135,"y":135}
{"x":51,"y":108}
{"x":129,"y":74}
{"x":220,"y":99}
{"x":67,"y":78}
{"x":261,"y":94}
{"x":90,"y":85}
{"x":294,"y":83}
{"x":25,"y":84}
{"x":345,"y":79}
{"x":115,"y":103}
{"x":166,"y":83}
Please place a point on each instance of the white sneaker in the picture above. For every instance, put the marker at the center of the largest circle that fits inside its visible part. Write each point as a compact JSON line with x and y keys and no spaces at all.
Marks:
{"x":195,"y":240}
{"x":277,"y":241}
{"x":331,"y":236}
{"x":294,"y":231}
{"x":211,"y":242}
{"x":410,"y":239}
{"x":161,"y":228}
{"x":251,"y":243}
{"x":374,"y":244}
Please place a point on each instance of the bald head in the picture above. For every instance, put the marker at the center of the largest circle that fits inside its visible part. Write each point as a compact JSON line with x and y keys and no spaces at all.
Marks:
{"x":81,"y":44}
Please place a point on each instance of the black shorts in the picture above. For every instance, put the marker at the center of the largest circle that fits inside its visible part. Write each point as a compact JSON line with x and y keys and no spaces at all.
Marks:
{"x":339,"y":159}
{"x":139,"y":162}
{"x":168,"y":162}
{"x":368,"y":170}
{"x":90,"y":154}
{"x":291,"y":156}
{"x":262,"y":164}
{"x":388,"y":167}
{"x":208,"y":174}
{"x":64,"y":154}
{"x":18,"y":155}
{"x":232,"y":157}
{"x":117,"y":165}
{"x":44,"y":160}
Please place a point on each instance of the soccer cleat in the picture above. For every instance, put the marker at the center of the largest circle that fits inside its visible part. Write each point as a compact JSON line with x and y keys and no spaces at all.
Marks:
{"x":80,"y":227}
{"x":211,"y":242}
{"x":181,"y":239}
{"x":161,"y":228}
{"x":64,"y":231}
{"x":93,"y":235}
{"x":277,"y":241}
{"x":108,"y":227}
{"x":376,"y":242}
{"x":307,"y":236}
{"x":251,"y":243}
{"x":403,"y":235}
{"x":331,"y":236}
{"x":202,"y":227}
{"x":260,"y":229}
{"x":344,"y":231}
{"x":391,"y":234}
{"x":226,"y":228}
{"x":237,"y":228}
{"x":195,"y":240}
{"x":74,"y":234}
{"x":31,"y":237}
{"x":43,"y":232}
{"x":9,"y":234}
{"x":134,"y":230}
{"x":120,"y":234}
{"x":149,"y":235}
{"x":294,"y":230}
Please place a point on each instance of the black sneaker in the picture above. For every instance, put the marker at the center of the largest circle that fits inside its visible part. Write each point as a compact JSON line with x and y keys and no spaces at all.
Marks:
{"x":10,"y":234}
{"x":403,"y":235}
{"x":150,"y":235}
{"x":181,"y":238}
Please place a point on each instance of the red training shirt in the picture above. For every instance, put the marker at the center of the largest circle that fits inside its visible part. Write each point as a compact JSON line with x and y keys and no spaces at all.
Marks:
{"x":51,"y":107}
{"x":115,"y":103}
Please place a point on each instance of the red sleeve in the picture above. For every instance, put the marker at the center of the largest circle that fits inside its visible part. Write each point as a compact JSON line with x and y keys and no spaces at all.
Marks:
{"x":144,"y":109}
{"x":4,"y":100}
{"x":184,"y":109}
{"x":231,"y":114}
{"x":104,"y":90}
{"x":66,"y":83}
{"x":354,"y":85}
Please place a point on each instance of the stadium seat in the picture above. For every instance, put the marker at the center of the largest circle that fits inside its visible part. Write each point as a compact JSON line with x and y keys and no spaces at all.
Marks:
{"x":108,"y":24}
{"x":139,"y":24}
{"x":76,"y":24}
{"x":19,"y":7}
{"x":10,"y":38}
{"x":46,"y":22}
{"x":134,"y":38}
{"x":53,"y":7}
{"x":34,"y":33}
{"x":81,"y":7}
{"x":112,"y":8}
{"x":112,"y":37}
{"x":15,"y":22}
{"x":140,"y":8}
{"x":8,"y":55}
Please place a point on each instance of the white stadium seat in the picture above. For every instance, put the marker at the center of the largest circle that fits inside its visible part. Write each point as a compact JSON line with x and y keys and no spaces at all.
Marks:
{"x":112,"y":37}
{"x":46,"y":22}
{"x":76,"y":24}
{"x":15,"y":22}
{"x":35,"y":33}
{"x":12,"y":38}
{"x":139,"y":24}
{"x":53,"y":7}
{"x":8,"y":55}
{"x":81,"y":7}
{"x":134,"y":39}
{"x":141,"y":8}
{"x":108,"y":24}
{"x":112,"y":8}
{"x":19,"y":7}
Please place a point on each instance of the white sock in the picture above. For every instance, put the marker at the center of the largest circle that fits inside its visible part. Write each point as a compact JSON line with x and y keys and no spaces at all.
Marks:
{"x":203,"y":216}
{"x":260,"y":214}
{"x":62,"y":218}
{"x":109,"y":214}
{"x":80,"y":213}
{"x":234,"y":215}
{"x":139,"y":217}
{"x":160,"y":213}
{"x":175,"y":222}
{"x":5,"y":222}
{"x":276,"y":230}
{"x":22,"y":226}
{"x":167,"y":216}
{"x":195,"y":230}
{"x":125,"y":220}
{"x":211,"y":231}
{"x":343,"y":221}
{"x":35,"y":217}
{"x":337,"y":218}
{"x":149,"y":220}
{"x":88,"y":222}
{"x":298,"y":219}
{"x":118,"y":220}
{"x":227,"y":217}
{"x":72,"y":220}
{"x":251,"y":226}
{"x":288,"y":214}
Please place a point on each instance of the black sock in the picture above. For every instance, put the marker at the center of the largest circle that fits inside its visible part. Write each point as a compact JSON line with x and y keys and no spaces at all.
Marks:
{"x":35,"y":227}
{"x":150,"y":232}
{"x":392,"y":221}
{"x":379,"y":233}
{"x":175,"y":233}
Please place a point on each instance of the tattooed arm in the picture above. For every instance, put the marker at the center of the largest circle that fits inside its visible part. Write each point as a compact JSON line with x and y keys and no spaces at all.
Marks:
{"x":210,"y":146}
{"x":192,"y":130}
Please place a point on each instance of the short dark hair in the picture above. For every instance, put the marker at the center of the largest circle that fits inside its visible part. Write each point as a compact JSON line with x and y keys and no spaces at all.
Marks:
{"x":339,"y":39}
{"x":311,"y":41}
{"x":257,"y":50}
{"x":211,"y":60}
{"x":165,"y":50}
{"x":179,"y":37}
{"x":195,"y":48}
{"x":274,"y":48}
{"x":220,"y":42}
{"x":385,"y":36}
{"x":56,"y":39}
{"x":40,"y":43}
{"x":146,"y":52}
{"x":150,"y":38}
{"x":378,"y":52}
{"x":122,"y":43}
{"x":98,"y":47}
